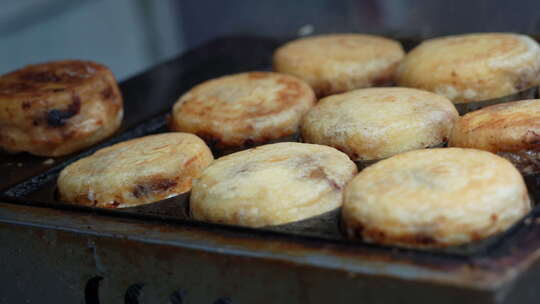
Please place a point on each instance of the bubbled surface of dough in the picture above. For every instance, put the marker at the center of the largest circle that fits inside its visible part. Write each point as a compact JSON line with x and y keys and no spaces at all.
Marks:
{"x":473,"y":67}
{"x":253,"y":107}
{"x":434,"y":198}
{"x":271,"y":185}
{"x":57,"y":108}
{"x":375,"y":123}
{"x":340,"y":62}
{"x":135,"y":172}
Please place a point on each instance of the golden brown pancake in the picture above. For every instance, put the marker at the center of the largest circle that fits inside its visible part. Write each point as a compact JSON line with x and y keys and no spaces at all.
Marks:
{"x":434,"y":198}
{"x":57,"y":108}
{"x":473,"y":67}
{"x":135,"y":172}
{"x":338,"y":63}
{"x":243,"y":110}
{"x":511,"y":130}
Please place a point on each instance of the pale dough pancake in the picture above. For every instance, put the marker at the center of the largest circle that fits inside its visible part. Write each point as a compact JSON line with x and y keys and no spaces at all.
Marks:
{"x":271,"y":185}
{"x":375,"y":123}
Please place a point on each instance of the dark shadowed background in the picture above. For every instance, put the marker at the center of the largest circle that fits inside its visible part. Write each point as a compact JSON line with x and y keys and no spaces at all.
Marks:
{"x":132,"y":35}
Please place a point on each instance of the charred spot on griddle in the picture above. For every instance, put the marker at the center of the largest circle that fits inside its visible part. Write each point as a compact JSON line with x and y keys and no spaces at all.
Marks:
{"x":379,"y":235}
{"x":357,"y":231}
{"x":212,"y":141}
{"x":153,"y":186}
{"x":58,"y":118}
{"x":526,"y":161}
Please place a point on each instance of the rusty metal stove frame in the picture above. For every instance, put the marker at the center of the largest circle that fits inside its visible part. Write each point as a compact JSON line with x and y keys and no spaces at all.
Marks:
{"x":52,"y":252}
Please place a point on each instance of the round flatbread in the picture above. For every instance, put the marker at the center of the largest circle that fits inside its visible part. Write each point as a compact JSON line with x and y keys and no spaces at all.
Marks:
{"x":338,"y":63}
{"x":135,"y":172}
{"x":57,"y":108}
{"x":512,"y":130}
{"x":243,"y":110}
{"x":375,"y":123}
{"x":473,"y":67}
{"x":271,"y":185}
{"x":434,"y":198}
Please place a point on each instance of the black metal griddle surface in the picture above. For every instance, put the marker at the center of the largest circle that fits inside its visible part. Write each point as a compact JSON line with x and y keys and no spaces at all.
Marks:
{"x":31,"y":180}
